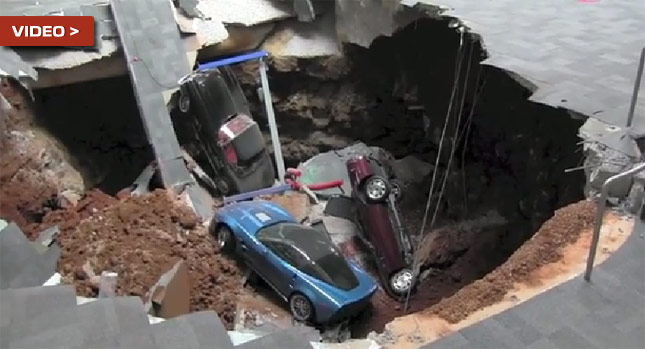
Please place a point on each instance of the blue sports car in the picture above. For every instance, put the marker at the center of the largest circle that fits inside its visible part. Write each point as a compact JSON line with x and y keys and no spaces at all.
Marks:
{"x":300,"y":263}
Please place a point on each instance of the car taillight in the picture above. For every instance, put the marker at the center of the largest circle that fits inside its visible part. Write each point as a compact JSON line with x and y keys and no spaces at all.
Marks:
{"x":231,"y":156}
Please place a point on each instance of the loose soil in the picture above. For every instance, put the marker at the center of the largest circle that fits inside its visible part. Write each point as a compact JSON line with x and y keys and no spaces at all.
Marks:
{"x":544,"y":248}
{"x":456,"y":283}
{"x":139,"y":238}
{"x":34,"y":168}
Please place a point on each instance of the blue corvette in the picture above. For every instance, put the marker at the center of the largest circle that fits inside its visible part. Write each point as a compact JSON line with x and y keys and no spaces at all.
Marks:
{"x":299,"y":262}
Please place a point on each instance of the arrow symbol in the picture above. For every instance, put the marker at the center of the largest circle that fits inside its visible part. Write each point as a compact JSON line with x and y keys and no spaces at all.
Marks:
{"x":74,"y":31}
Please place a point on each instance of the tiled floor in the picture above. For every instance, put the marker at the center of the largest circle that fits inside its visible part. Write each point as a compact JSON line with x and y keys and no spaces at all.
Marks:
{"x":582,"y":56}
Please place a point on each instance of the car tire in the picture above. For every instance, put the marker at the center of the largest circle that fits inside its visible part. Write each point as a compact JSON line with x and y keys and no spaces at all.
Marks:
{"x":301,"y":308}
{"x":184,"y":103}
{"x":400,"y":288}
{"x":222,"y":186}
{"x":397,"y":190}
{"x":383,"y":191}
{"x":225,"y":239}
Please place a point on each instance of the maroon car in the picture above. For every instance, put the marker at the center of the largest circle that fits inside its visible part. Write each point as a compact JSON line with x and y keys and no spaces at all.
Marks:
{"x":375,"y":195}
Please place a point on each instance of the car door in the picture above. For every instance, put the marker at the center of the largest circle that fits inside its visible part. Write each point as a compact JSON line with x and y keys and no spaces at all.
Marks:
{"x":278,"y":259}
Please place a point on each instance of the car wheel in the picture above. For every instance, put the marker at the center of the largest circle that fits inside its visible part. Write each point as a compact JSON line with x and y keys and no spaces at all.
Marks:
{"x":401,"y":282}
{"x":184,"y":103}
{"x":225,"y":239}
{"x":223,"y":187}
{"x":376,"y":188}
{"x":395,"y":189}
{"x":301,"y":308}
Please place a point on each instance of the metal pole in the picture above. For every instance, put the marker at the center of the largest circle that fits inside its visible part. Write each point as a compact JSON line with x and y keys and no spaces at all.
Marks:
{"x":600,"y":213}
{"x":268,"y":105}
{"x":637,"y":86}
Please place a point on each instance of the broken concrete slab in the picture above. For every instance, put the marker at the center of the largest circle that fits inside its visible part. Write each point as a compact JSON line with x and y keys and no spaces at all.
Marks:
{"x":304,"y":40}
{"x":11,"y":64}
{"x":248,"y":12}
{"x":296,"y":203}
{"x":330,"y":166}
{"x":240,"y":39}
{"x":360,"y":22}
{"x":170,"y":296}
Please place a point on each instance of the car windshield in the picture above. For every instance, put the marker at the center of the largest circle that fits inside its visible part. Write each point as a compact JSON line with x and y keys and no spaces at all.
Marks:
{"x":310,"y":251}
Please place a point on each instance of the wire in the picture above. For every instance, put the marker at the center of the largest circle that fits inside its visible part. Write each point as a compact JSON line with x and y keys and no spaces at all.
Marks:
{"x":454,"y":142}
{"x":458,"y":63}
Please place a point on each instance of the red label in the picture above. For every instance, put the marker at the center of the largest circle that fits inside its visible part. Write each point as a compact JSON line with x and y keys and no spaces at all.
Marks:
{"x":46,"y":31}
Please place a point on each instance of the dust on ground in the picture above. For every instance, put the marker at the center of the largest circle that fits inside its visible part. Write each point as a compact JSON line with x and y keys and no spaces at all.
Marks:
{"x":141,"y":237}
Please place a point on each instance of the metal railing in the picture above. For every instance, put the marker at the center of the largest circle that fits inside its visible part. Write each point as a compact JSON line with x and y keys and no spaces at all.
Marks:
{"x":600,"y":214}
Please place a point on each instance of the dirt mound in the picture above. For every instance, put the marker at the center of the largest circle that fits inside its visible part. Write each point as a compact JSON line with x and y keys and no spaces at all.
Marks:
{"x":455,"y":280}
{"x":545,"y":247}
{"x":140,"y":238}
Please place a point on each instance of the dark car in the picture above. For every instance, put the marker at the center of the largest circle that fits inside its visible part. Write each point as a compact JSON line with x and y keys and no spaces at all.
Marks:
{"x":231,"y":146}
{"x":375,"y":195}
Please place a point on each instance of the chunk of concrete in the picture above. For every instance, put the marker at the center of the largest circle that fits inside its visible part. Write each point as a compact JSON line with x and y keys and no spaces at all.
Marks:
{"x":170,"y":296}
{"x":297,"y":204}
{"x":360,"y":22}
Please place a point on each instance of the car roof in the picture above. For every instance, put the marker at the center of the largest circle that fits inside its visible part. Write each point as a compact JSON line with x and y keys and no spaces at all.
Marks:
{"x":253,"y":215}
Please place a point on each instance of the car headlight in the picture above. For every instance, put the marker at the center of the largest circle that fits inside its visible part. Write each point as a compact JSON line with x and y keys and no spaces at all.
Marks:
{"x":376,"y":188}
{"x":401,"y":282}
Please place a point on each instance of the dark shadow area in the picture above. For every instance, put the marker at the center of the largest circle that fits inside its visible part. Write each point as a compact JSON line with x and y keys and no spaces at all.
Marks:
{"x":99,"y":124}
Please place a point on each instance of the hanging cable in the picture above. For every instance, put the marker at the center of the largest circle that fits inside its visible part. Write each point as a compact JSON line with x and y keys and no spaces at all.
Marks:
{"x":454,"y":140}
{"x":458,"y":63}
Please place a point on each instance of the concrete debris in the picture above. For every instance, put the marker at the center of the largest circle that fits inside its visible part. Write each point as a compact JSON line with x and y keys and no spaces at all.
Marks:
{"x":360,"y":22}
{"x":189,"y":7}
{"x":248,"y":12}
{"x":240,"y":39}
{"x":610,"y":150}
{"x":60,"y":58}
{"x":47,"y":236}
{"x":330,"y":166}
{"x":170,"y":296}
{"x":296,"y":203}
{"x":11,"y":64}
{"x":107,"y":284}
{"x":304,"y":40}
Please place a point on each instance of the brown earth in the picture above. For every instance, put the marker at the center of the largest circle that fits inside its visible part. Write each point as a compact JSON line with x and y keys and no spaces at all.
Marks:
{"x":544,"y":248}
{"x":140,"y":238}
{"x":34,"y":167}
{"x":456,"y":284}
